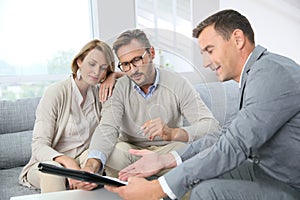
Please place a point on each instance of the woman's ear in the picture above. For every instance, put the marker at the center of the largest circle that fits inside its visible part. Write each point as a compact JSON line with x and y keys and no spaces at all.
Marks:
{"x":78,"y":61}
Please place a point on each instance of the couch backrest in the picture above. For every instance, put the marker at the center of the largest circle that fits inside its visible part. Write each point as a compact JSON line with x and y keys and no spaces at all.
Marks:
{"x":221,"y":99}
{"x":16,"y":124}
{"x":17,"y":115}
{"x":17,"y":119}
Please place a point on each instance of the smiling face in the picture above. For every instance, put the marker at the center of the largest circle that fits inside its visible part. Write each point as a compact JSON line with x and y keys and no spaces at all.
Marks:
{"x":221,"y":55}
{"x":144,"y":74}
{"x":93,"y":67}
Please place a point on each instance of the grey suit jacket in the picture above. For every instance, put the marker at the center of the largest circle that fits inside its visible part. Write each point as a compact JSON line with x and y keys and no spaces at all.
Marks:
{"x":267,"y":127}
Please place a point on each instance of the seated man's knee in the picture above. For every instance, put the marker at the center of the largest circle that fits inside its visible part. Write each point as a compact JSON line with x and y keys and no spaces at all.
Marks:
{"x":119,"y":153}
{"x":119,"y":159}
{"x":123,"y":147}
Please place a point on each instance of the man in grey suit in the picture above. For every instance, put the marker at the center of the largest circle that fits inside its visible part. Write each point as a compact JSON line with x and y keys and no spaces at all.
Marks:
{"x":257,"y":157}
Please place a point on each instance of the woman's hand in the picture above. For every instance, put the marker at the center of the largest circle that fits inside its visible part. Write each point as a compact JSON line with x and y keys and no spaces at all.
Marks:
{"x":69,"y":163}
{"x":92,"y":166}
{"x":84,"y":185}
{"x":106,"y":88}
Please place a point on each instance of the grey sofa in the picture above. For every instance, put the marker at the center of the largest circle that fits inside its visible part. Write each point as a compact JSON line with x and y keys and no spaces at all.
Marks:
{"x":16,"y":124}
{"x":17,"y":120}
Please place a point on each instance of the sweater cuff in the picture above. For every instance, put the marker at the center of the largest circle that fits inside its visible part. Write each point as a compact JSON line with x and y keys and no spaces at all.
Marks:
{"x":98,"y":155}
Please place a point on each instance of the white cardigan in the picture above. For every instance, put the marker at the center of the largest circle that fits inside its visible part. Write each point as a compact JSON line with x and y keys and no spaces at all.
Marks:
{"x":52,"y":115}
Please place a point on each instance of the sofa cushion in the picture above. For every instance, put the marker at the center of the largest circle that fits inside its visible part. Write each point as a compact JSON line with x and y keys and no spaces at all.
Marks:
{"x":9,"y":184}
{"x":17,"y":115}
{"x":15,"y":149}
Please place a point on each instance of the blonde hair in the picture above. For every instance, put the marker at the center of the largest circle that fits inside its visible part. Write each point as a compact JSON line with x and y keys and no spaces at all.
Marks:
{"x":94,"y":44}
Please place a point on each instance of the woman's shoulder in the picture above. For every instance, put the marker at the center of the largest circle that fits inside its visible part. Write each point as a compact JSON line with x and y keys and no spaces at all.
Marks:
{"x":58,"y":89}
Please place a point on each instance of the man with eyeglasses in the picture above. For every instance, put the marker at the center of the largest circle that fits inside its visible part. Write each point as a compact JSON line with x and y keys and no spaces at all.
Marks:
{"x":146,"y":108}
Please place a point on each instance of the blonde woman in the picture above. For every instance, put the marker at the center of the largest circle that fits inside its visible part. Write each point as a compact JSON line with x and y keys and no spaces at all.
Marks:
{"x":67,"y":116}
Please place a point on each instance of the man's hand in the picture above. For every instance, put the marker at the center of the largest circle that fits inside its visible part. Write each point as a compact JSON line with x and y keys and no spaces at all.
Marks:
{"x":151,"y":163}
{"x":157,"y":127}
{"x":134,"y":190}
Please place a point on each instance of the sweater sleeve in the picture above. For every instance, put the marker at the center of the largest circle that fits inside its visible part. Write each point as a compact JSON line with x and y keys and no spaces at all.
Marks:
{"x":196,"y":113}
{"x":45,"y":127}
{"x":107,"y":132}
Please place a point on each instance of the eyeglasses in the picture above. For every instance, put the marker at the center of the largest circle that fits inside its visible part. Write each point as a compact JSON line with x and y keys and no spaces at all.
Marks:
{"x":136,"y":62}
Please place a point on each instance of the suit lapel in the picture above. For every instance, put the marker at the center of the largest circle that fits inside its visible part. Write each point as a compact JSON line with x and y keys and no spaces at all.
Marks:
{"x":256,"y":54}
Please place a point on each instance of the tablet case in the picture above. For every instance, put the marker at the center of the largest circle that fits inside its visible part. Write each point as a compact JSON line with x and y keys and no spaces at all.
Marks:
{"x":80,"y":175}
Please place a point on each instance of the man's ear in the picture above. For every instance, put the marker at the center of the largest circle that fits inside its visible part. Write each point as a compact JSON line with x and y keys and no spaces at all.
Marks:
{"x":239,"y":38}
{"x":152,"y":52}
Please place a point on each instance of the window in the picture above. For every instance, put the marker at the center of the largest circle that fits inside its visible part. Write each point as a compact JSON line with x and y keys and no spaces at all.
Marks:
{"x":38,"y":41}
{"x":173,"y":15}
{"x":171,"y":31}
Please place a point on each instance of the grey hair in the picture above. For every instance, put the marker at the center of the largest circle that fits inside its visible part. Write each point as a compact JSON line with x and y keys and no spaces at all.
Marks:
{"x":126,"y":37}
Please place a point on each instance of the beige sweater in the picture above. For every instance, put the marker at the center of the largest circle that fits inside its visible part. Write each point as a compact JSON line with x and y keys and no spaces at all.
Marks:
{"x":126,"y":111}
{"x":52,"y":115}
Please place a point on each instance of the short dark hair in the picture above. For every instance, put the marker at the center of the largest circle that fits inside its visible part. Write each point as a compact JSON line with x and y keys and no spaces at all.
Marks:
{"x":225,"y":22}
{"x":129,"y":35}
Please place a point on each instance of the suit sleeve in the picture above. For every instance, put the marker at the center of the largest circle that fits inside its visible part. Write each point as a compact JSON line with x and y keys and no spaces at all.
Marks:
{"x":269,"y":102}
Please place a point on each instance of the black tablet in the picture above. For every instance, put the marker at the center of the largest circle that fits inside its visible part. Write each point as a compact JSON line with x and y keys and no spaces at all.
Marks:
{"x":80,"y":175}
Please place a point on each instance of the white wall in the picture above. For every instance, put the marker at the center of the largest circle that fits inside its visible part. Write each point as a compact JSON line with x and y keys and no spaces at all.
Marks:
{"x":112,"y":17}
{"x":276,"y":24}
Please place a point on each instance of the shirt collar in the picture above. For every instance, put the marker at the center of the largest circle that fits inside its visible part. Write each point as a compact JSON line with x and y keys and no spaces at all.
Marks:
{"x":152,"y":88}
{"x":241,"y":76}
{"x":78,"y":97}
